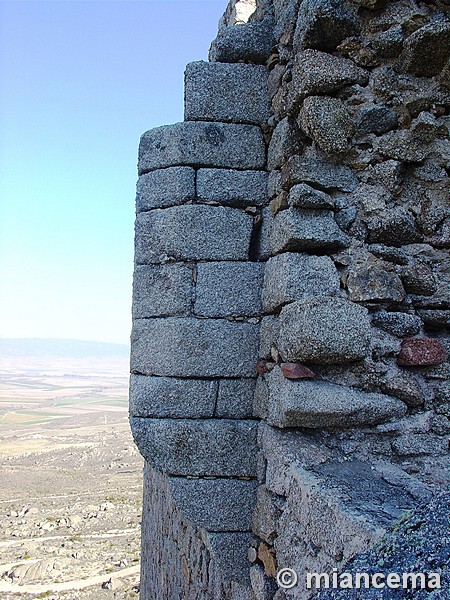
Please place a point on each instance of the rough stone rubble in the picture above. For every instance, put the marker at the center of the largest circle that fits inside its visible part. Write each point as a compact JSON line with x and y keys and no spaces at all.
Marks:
{"x":290,"y":374}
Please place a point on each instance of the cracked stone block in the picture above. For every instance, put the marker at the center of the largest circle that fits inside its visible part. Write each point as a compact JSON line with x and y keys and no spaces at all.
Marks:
{"x":328,"y":122}
{"x":285,"y":142}
{"x":291,"y":276}
{"x":324,"y":331}
{"x":228,"y":289}
{"x":194,"y":232}
{"x":172,"y":397}
{"x":317,"y":73}
{"x":235,"y":398}
{"x":298,"y":229}
{"x":199,"y":143}
{"x":217,"y":91}
{"x":215,"y":504}
{"x":189,"y":347}
{"x":323,"y":24}
{"x":202,"y":447}
{"x":162,"y":290}
{"x":165,"y":187}
{"x":314,"y":168}
{"x":251,"y":42}
{"x":320,"y":404}
{"x":232,"y":187}
{"x":304,"y":196}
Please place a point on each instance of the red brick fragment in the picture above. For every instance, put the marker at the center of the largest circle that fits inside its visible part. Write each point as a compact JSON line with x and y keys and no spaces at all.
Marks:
{"x":264,"y":366}
{"x":421,"y":352}
{"x":296,"y":371}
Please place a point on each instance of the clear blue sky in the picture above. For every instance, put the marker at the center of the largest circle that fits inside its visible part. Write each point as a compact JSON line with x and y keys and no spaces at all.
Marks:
{"x":80,"y":82}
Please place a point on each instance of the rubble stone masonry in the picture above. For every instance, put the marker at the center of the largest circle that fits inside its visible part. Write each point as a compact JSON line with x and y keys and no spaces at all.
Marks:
{"x":290,"y":379}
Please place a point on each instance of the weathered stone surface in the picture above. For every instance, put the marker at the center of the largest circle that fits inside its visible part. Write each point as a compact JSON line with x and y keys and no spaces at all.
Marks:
{"x":235,"y":398}
{"x":247,"y":41}
{"x":405,"y":387}
{"x":193,"y":348}
{"x":217,"y":504}
{"x":231,"y":187}
{"x":314,"y":168}
{"x":420,"y":352}
{"x":171,"y":397}
{"x":193,"y":232}
{"x":419,"y":278}
{"x":261,"y":231}
{"x":324,"y":331}
{"x":435,"y":318}
{"x":169,"y":538}
{"x":291,"y":276}
{"x":304,"y":196}
{"x":204,"y":447}
{"x":228,"y":289}
{"x":317,"y":72}
{"x":323,"y":24}
{"x":286,"y":141}
{"x":165,"y":187}
{"x":162,"y":290}
{"x":226,"y":92}
{"x":298,"y":229}
{"x":370,"y":4}
{"x":388,"y":43}
{"x":328,"y":122}
{"x":420,"y":444}
{"x":319,"y":404}
{"x":427,"y":50}
{"x":268,"y":335}
{"x":393,"y":227}
{"x":202,"y":144}
{"x":374,"y":279}
{"x":376,"y":119}
{"x":230,"y":552}
{"x":402,"y":145}
{"x":398,"y":323}
{"x":296,"y":371}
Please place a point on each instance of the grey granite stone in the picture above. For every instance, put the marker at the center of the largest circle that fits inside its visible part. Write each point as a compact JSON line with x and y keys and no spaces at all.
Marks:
{"x":376,"y":119}
{"x":230,"y":553}
{"x":203,"y":447}
{"x":232,"y":187}
{"x":193,"y":348}
{"x":162,"y":290}
{"x":165,"y":187}
{"x":304,"y":196}
{"x":298,"y":229}
{"x":323,"y":24}
{"x":370,"y":278}
{"x":319,"y":404}
{"x":393,"y":227}
{"x":217,"y":504}
{"x":171,"y":397}
{"x":286,"y":141}
{"x":328,"y":122}
{"x":427,"y":50}
{"x":235,"y":398}
{"x":244,"y":42}
{"x":291,"y":276}
{"x":324,"y":330}
{"x":268,"y":335}
{"x":194,"y":232}
{"x":262,"y":232}
{"x":274,"y":184}
{"x":397,"y":323}
{"x":317,"y":72}
{"x":202,"y":144}
{"x":228,"y":289}
{"x":226,"y":92}
{"x":315,"y":168}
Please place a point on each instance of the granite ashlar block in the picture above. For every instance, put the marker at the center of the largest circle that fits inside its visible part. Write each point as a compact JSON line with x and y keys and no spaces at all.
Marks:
{"x":216,"y":91}
{"x":203,"y":447}
{"x":162,"y":290}
{"x":189,"y":347}
{"x":202,"y":144}
{"x":194,"y":232}
{"x":231,"y":187}
{"x":165,"y":187}
{"x":171,"y":397}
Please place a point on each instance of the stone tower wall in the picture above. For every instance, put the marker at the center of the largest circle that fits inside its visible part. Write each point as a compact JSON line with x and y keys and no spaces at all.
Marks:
{"x":289,"y":386}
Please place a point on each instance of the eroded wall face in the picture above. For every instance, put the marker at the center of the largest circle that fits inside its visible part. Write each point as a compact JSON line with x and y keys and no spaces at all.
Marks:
{"x":290,"y":374}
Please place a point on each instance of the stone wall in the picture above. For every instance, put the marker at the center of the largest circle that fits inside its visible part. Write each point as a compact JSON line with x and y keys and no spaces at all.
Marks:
{"x":289,"y":387}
